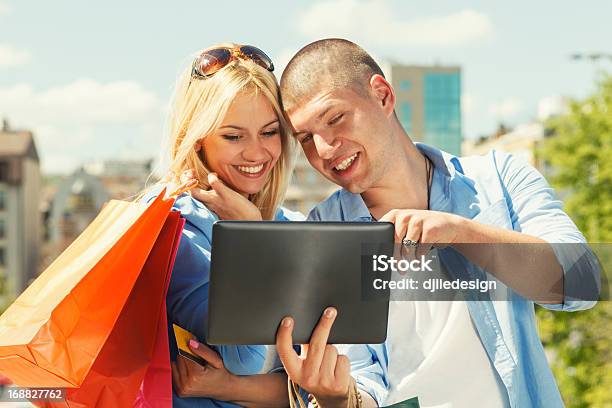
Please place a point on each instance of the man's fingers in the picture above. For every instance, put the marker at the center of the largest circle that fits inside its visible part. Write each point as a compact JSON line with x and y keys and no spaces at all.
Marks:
{"x":208,"y":354}
{"x":388,"y":217}
{"x":413,"y":233}
{"x":401,"y":227}
{"x":318,"y":340}
{"x":284,"y":348}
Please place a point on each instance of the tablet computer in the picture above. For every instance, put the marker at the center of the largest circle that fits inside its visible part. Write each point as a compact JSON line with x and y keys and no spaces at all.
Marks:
{"x":261,"y":272}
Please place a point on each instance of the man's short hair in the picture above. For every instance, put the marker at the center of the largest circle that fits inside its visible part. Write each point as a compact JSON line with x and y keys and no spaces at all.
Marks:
{"x":327,"y":64}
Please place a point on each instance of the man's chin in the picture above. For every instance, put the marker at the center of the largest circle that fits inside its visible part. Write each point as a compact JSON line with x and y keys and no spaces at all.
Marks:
{"x":352,"y":186}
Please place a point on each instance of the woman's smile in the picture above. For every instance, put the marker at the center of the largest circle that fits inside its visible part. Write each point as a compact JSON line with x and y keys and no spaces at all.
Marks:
{"x":253,"y":170}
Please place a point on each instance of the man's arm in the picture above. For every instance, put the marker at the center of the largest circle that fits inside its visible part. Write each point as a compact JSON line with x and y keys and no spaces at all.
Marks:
{"x":537,"y":267}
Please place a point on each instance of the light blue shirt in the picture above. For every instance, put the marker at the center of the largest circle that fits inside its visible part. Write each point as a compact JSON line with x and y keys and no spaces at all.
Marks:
{"x":498,"y":190}
{"x":187,"y":298}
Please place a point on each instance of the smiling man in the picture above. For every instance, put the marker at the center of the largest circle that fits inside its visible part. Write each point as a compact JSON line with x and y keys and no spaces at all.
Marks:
{"x":455,"y":353}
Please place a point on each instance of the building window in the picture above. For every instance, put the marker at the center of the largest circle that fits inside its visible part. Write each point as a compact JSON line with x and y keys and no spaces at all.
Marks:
{"x":406,"y":116}
{"x":2,"y":200}
{"x":405,"y":85}
{"x":442,"y":92}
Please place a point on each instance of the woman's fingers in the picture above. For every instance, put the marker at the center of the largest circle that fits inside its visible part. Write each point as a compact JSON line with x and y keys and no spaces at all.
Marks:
{"x":208,"y":354}
{"x":207,"y":197}
{"x":284,"y":348}
{"x":187,"y":175}
{"x":318,"y":340}
{"x":328,"y":365}
{"x":216,"y":184}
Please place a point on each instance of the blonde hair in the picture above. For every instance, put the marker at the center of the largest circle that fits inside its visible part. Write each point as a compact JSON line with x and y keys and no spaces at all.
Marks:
{"x":197,"y":110}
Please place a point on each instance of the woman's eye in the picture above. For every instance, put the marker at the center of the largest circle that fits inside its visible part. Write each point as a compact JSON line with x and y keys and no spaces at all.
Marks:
{"x":271,"y":133}
{"x":232,"y":137}
{"x":335,"y":119}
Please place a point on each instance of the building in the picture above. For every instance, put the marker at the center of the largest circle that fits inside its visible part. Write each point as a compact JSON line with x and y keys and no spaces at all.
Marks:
{"x":522,"y":142}
{"x":307,"y":188}
{"x":428,"y":103}
{"x":71,"y":203}
{"x":19,"y":210}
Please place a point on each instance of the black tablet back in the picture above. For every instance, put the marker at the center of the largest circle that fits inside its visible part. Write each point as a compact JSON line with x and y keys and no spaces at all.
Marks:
{"x":263,"y":271}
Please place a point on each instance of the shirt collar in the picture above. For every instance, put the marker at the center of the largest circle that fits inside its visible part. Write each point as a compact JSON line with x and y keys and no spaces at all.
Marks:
{"x":446,"y":167}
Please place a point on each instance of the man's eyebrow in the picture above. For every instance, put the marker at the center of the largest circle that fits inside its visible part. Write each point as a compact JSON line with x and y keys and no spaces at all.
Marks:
{"x":320,"y":115}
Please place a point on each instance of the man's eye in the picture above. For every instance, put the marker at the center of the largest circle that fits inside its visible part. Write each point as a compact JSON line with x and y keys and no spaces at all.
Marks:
{"x":335,"y":119}
{"x":232,"y":137}
{"x":306,"y":138}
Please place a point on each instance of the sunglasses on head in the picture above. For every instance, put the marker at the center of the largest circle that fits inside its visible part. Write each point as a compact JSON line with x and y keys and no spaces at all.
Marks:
{"x":211,"y":61}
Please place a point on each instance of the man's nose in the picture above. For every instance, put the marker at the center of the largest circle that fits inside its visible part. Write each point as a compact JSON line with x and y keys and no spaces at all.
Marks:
{"x":326,"y":147}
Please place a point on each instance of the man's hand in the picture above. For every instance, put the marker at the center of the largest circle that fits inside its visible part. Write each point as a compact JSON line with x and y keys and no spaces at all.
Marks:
{"x":190,"y":379}
{"x":319,"y":369}
{"x":428,"y":228}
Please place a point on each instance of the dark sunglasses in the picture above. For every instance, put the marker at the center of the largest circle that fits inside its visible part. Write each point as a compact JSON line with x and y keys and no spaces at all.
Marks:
{"x":211,"y":61}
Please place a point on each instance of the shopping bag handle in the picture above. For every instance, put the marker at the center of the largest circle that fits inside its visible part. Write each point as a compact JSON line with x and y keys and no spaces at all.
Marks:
{"x":186,"y":186}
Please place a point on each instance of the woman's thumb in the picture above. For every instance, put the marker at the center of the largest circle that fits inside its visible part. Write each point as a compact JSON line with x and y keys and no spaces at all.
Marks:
{"x":206,"y":353}
{"x":215,"y":183}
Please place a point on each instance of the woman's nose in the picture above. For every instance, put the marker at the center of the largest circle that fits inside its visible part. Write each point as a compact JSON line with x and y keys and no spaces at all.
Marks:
{"x":255,"y":151}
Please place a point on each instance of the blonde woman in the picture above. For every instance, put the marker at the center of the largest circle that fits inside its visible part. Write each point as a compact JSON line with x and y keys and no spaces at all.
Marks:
{"x":227,"y":131}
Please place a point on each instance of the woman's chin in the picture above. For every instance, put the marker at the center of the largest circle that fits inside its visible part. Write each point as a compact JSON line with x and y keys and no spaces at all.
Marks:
{"x":249,"y":187}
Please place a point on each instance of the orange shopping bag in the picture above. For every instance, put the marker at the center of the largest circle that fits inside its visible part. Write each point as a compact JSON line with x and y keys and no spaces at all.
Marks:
{"x":90,"y":321}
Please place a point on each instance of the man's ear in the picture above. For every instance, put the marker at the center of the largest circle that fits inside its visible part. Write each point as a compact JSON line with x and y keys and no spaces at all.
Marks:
{"x":383,"y":92}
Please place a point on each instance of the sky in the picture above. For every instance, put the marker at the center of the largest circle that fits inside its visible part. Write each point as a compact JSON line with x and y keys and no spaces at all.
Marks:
{"x":92,"y":80}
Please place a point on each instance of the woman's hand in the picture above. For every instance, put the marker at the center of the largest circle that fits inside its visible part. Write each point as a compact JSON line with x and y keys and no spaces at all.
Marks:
{"x":225,"y":202}
{"x":320,"y":369}
{"x":190,"y":379}
{"x":214,"y":381}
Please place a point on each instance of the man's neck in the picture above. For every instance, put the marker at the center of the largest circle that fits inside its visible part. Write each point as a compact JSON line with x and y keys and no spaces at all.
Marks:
{"x":404,"y":185}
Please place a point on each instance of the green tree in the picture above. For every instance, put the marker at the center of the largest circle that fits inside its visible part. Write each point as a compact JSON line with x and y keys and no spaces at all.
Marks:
{"x":579,"y":152}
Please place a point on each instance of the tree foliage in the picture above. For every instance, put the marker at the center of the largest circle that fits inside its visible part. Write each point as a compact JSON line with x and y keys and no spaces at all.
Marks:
{"x":579,"y":152}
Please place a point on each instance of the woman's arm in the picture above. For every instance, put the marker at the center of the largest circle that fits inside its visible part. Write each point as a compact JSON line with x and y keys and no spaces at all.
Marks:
{"x":215,"y":381}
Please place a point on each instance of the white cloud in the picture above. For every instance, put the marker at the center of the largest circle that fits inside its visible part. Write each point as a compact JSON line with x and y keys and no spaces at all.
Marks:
{"x":4,"y":8}
{"x":11,"y":57}
{"x":506,"y":109}
{"x":374,"y":22}
{"x":86,"y":119}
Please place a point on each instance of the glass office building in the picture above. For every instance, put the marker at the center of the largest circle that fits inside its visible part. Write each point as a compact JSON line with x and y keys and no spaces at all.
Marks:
{"x":429,"y":104}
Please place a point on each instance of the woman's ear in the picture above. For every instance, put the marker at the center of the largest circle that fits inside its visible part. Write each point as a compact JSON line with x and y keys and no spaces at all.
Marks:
{"x":383,"y":92}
